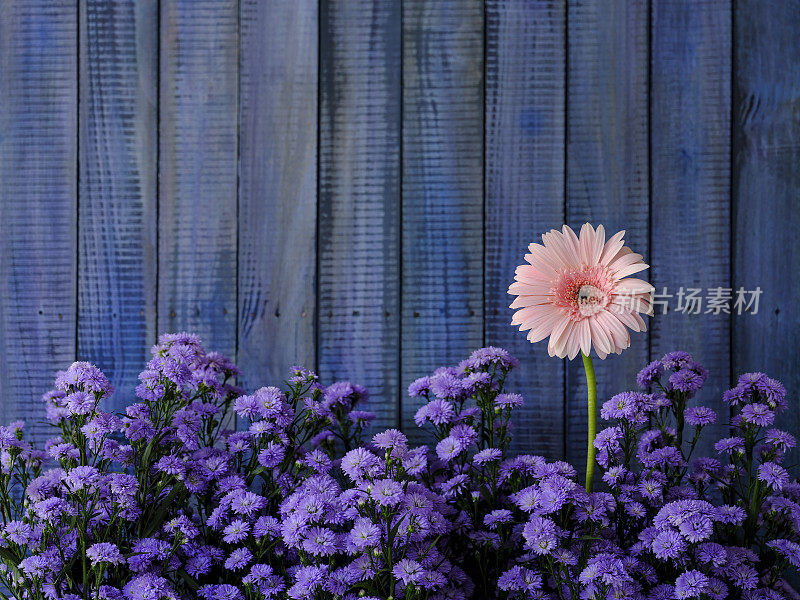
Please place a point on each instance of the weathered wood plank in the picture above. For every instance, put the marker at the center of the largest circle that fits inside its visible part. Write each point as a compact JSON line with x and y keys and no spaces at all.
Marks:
{"x":766,"y":191}
{"x":607,"y":166}
{"x":117,"y":225}
{"x":278,"y":183}
{"x":442,"y":216}
{"x":197,"y":170}
{"x":525,"y":60}
{"x":690,"y":140}
{"x":38,"y":201}
{"x":359,"y":211}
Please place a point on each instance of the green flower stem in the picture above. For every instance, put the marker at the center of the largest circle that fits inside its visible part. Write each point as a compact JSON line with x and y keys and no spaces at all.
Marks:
{"x":591,"y":387}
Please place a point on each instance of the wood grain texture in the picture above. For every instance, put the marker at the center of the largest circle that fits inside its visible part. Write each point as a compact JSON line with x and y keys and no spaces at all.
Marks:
{"x":766,"y":188}
{"x":197,"y":170}
{"x":525,"y":112}
{"x":691,"y":84}
{"x":38,"y":201}
{"x":117,"y":225}
{"x":607,"y":167}
{"x":278,"y":188}
{"x":442,"y":223}
{"x":359,"y":201}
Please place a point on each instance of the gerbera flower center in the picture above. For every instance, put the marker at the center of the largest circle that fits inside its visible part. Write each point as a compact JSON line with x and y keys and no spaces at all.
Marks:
{"x":590,"y":299}
{"x":583,"y":292}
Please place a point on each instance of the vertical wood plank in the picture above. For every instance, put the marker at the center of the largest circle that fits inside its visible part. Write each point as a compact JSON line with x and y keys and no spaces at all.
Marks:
{"x":38,"y":201}
{"x":442,"y":222}
{"x":197,"y":170}
{"x":525,"y":60}
{"x":691,"y":84}
{"x":359,"y":211}
{"x":607,"y":166}
{"x":766,"y":188}
{"x":278,"y":188}
{"x":117,"y":226}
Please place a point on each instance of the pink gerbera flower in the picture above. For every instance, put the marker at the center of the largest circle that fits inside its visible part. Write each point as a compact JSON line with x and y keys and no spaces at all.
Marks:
{"x":577,"y":291}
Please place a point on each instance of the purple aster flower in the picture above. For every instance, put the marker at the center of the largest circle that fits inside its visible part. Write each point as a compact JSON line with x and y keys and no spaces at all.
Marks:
{"x":773,"y":392}
{"x":365,"y":534}
{"x":788,"y":550}
{"x":83,"y":477}
{"x":271,"y":456}
{"x":148,"y":587}
{"x":487,"y":455}
{"x":696,"y":527}
{"x":508,"y":400}
{"x":497,"y":517}
{"x":408,"y":571}
{"x":80,"y":403}
{"x":448,"y":448}
{"x":17,"y":532}
{"x":420,"y":387}
{"x":438,"y":412}
{"x":361,"y":417}
{"x":491,"y":355}
{"x":104,"y":552}
{"x":780,"y":440}
{"x":691,"y":584}
{"x":731,"y":515}
{"x":320,"y":541}
{"x":730,"y":445}
{"x":540,"y":535}
{"x":238,"y":559}
{"x":236,"y":531}
{"x":758,"y":414}
{"x":650,"y":374}
{"x":415,"y":461}
{"x":447,"y":386}
{"x":676,"y":360}
{"x":360,"y":464}
{"x":774,"y":475}
{"x":85,"y":376}
{"x":391,"y":439}
{"x":668,"y":544}
{"x":700,"y":416}
{"x":686,"y":381}
{"x":386,"y":492}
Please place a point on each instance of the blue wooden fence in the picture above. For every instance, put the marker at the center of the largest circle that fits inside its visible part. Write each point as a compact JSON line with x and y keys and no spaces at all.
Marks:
{"x":349,"y":184}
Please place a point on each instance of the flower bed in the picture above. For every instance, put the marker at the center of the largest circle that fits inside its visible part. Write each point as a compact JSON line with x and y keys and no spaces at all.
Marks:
{"x":299,"y":502}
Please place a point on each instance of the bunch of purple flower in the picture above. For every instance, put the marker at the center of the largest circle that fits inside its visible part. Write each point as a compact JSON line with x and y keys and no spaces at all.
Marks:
{"x":202,"y":491}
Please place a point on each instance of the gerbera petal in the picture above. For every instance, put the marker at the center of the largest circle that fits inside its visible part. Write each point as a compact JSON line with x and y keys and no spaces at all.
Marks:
{"x":523,"y":301}
{"x":631,"y":269}
{"x":635,"y":286}
{"x":555,"y":347}
{"x":586,"y":243}
{"x":612,"y":247}
{"x":586,"y":337}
